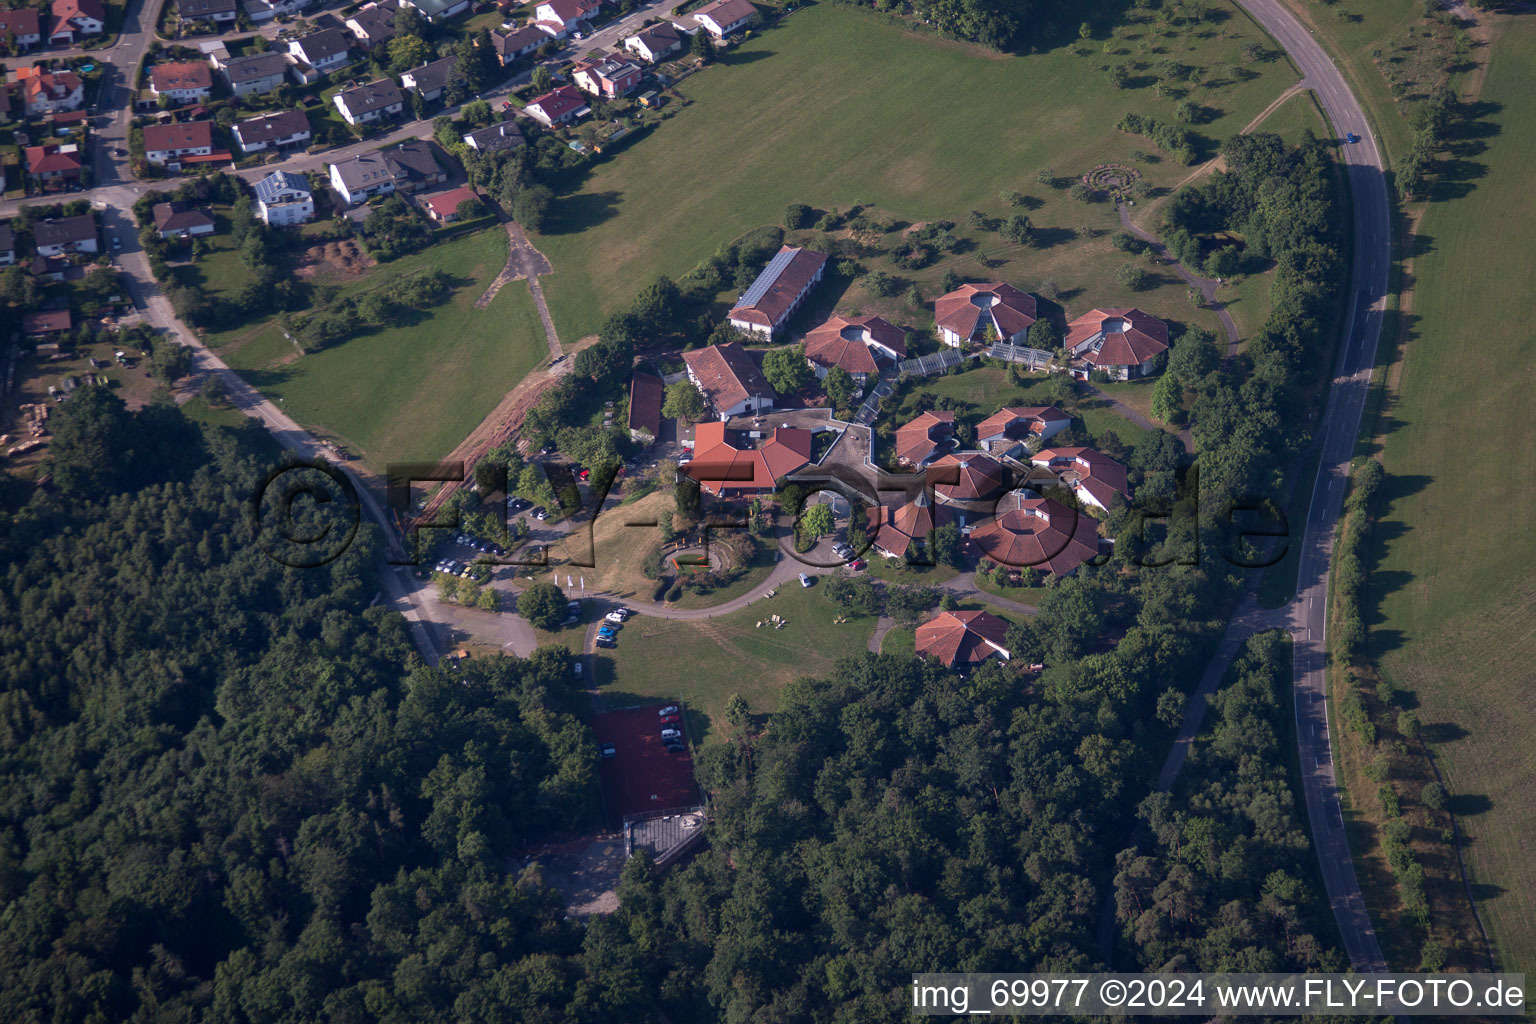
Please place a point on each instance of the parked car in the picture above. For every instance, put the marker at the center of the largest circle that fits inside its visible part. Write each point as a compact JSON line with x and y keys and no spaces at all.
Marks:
{"x":675,"y":746}
{"x":614,"y":616}
{"x":584,"y":474}
{"x":671,"y":734}
{"x":805,"y":580}
{"x":857,"y":563}
{"x":608,"y":750}
{"x":671,"y":720}
{"x":606,"y":642}
{"x":539,"y":513}
{"x":670,"y":709}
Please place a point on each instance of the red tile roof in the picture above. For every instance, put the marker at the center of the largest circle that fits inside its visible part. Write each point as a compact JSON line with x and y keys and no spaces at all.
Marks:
{"x":1015,"y":422}
{"x":48,"y":160}
{"x":178,"y":216}
{"x":782,"y":288}
{"x":963,"y":638}
{"x":976,"y":476}
{"x":559,"y":102}
{"x":65,"y":11}
{"x":724,"y":463}
{"x":446,"y":204}
{"x":22,"y":21}
{"x":647,"y":393}
{"x":844,"y":341}
{"x":727,"y":375}
{"x":165,"y":77}
{"x":166,"y":137}
{"x":52,"y":85}
{"x":725,"y":12}
{"x":1130,"y":336}
{"x":1098,"y":474}
{"x":895,"y":531}
{"x":924,"y":437}
{"x":968,"y":309}
{"x":1037,"y":533}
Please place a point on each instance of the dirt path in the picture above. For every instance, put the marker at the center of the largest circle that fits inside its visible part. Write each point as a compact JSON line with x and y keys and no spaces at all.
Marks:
{"x":525,"y":263}
{"x":1206,"y":285}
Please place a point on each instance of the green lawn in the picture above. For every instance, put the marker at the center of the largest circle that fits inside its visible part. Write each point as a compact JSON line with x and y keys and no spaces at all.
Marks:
{"x":1454,"y":612}
{"x":705,"y":661}
{"x":412,"y":391}
{"x":834,"y":108}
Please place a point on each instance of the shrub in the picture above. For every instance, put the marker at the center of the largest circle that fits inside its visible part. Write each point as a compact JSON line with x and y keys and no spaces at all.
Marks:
{"x":797,"y":216}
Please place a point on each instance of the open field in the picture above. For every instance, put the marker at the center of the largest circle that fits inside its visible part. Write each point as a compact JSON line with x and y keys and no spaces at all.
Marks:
{"x":413,"y":391}
{"x":1450,"y":605}
{"x":707,"y":660}
{"x":745,"y":146}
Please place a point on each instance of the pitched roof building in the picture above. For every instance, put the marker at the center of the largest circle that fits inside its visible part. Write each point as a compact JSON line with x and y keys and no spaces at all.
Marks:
{"x":1124,"y":343}
{"x":654,"y":42}
{"x":895,"y":530}
{"x":182,"y":80}
{"x":519,"y":42}
{"x":495,"y":138}
{"x":283,"y":128}
{"x":443,"y":207}
{"x":1029,"y":532}
{"x":962,"y":639}
{"x":1004,"y":431}
{"x":178,"y":218}
{"x":53,"y":163}
{"x":370,"y":102}
{"x":431,"y":79}
{"x":779,"y":290}
{"x":405,"y":167}
{"x":729,"y":378}
{"x":283,"y":199}
{"x":191,"y":141}
{"x":925,"y":438}
{"x":967,"y":476}
{"x":722,"y":17}
{"x":726,"y":463}
{"x":647,"y":393}
{"x":23,"y":24}
{"x":558,"y":106}
{"x":1096,"y":478}
{"x":861,"y":345}
{"x":964,"y":314}
{"x":373,"y":24}
{"x":73,"y":20}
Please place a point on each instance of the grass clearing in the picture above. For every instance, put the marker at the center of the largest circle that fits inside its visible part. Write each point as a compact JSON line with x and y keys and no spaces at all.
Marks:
{"x":744,"y":147}
{"x":1450,"y":604}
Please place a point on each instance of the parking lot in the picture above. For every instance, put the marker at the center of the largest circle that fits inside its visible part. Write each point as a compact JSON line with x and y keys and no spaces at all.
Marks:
{"x":642,"y":775}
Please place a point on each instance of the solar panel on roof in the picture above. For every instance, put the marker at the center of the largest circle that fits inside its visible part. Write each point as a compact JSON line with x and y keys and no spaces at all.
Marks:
{"x":770,"y":274}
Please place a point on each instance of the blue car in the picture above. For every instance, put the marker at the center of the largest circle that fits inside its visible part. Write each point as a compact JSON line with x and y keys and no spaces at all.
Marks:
{"x":608,"y":631}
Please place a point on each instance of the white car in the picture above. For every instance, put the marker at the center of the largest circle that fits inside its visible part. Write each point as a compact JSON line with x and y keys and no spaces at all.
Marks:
{"x":805,"y":580}
{"x":614,"y":617}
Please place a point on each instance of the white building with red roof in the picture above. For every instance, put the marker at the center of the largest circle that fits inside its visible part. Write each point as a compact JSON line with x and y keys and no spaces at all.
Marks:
{"x":1009,"y":429}
{"x":560,"y":17}
{"x":894,"y":530}
{"x":963,"y":315}
{"x":729,"y":379}
{"x":74,"y":20}
{"x":558,"y":106}
{"x":1030,"y":532}
{"x":1124,"y":343}
{"x":779,"y":290}
{"x":1094,"y":477}
{"x":175,"y":144}
{"x":962,"y":639}
{"x":726,"y":462}
{"x":925,"y":438}
{"x":861,"y":345}
{"x":23,"y":25}
{"x":47,"y":92}
{"x":184,"y":82}
{"x":720,"y":18}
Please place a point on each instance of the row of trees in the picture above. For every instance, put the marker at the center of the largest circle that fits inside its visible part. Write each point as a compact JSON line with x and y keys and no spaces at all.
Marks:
{"x":379,"y":307}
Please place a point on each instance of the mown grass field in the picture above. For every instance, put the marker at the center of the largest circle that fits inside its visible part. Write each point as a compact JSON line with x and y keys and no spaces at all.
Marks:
{"x":833,"y":108}
{"x":413,"y":391}
{"x":1453,"y":612}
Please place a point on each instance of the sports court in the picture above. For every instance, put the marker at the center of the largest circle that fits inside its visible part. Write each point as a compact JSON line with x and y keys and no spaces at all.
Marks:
{"x":643,"y":776}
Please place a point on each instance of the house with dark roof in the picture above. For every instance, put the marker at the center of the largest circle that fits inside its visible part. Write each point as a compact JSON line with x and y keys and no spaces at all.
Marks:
{"x":729,"y":379}
{"x":965,"y":314}
{"x":278,"y":131}
{"x":52,"y":166}
{"x":962,"y":640}
{"x":374,"y":101}
{"x":606,"y":76}
{"x":558,"y":106}
{"x":655,"y":42}
{"x":373,"y":24}
{"x":895,"y":530}
{"x":925,"y":438}
{"x":7,"y":244}
{"x":47,"y":321}
{"x":22,"y":25}
{"x":175,"y":144}
{"x":180,"y":220}
{"x":1094,"y":477}
{"x":260,"y":11}
{"x":438,"y":10}
{"x":408,"y":167}
{"x":721,"y":18}
{"x":74,"y":20}
{"x":58,"y":236}
{"x":1123,"y":343}
{"x":647,"y":394}
{"x":1009,"y":430}
{"x":861,"y":345}
{"x":184,"y":82}
{"x":495,"y":138}
{"x":1027,"y":531}
{"x":284,"y":199}
{"x":779,"y":290}
{"x":257,"y":74}
{"x":213,"y":12}
{"x":324,"y":50}
{"x":518,"y":43}
{"x":733,"y":463}
{"x":431,"y":79}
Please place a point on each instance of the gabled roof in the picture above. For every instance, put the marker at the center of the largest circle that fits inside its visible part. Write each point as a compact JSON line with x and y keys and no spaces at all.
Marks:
{"x":968,"y":309}
{"x":727,"y":375}
{"x":204,"y":8}
{"x":372,"y":96}
{"x":924,"y":437}
{"x":7,"y":238}
{"x":510,"y":44}
{"x":270,"y":189}
{"x":606,"y":67}
{"x":571,"y":10}
{"x":63,"y":230}
{"x":444,"y":204}
{"x":45,"y":321}
{"x":53,"y":85}
{"x":962,"y":638}
{"x":178,"y":216}
{"x":254,"y":67}
{"x":434,"y":75}
{"x":180,"y":75}
{"x":1015,"y":422}
{"x":773,"y":294}
{"x":269,"y":127}
{"x":723,"y":460}
{"x":375,"y":23}
{"x":725,"y":12}
{"x":647,"y":393}
{"x":661,"y":36}
{"x":1098,"y":474}
{"x":844,"y":341}
{"x":493,"y":138}
{"x":51,"y":160}
{"x":22,"y":21}
{"x":166,"y":137}
{"x":894,"y":531}
{"x":66,"y":11}
{"x":976,"y":476}
{"x":558,"y":102}
{"x":321,"y":45}
{"x":410,"y":159}
{"x":1119,"y":337}
{"x":1037,"y":533}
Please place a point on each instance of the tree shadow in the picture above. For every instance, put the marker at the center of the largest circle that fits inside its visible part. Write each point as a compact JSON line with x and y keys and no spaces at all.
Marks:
{"x":1436,"y":733}
{"x":733,"y":58}
{"x":579,"y":211}
{"x":1467,"y":805}
{"x":1044,"y":238}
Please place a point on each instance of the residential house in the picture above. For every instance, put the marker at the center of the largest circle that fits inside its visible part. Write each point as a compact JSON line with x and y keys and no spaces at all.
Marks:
{"x":647,"y":394}
{"x":443,"y":207}
{"x":495,"y":138}
{"x":46,"y":92}
{"x":74,"y":20}
{"x":605,"y":76}
{"x":720,"y":18}
{"x":179,"y":220}
{"x":979,"y":312}
{"x":284,"y":199}
{"x":183,"y":82}
{"x":59,"y":236}
{"x":257,"y":74}
{"x":925,"y":438}
{"x":176,"y":144}
{"x":1124,"y":343}
{"x":430,"y":80}
{"x":519,"y":42}
{"x":7,"y":245}
{"x":778,"y":291}
{"x":730,"y":463}
{"x":655,"y":42}
{"x":729,"y":379}
{"x":53,"y":166}
{"x":278,"y":131}
{"x":1030,"y":532}
{"x":45,"y":321}
{"x":373,"y":24}
{"x":560,"y":106}
{"x":559,"y":18}
{"x":408,"y":167}
{"x":265,"y":10}
{"x":967,"y":478}
{"x":211,"y":13}
{"x":375,"y":101}
{"x":861,"y":345}
{"x":1095,"y":478}
{"x":325,"y":50}
{"x":893,"y":532}
{"x":22,"y":25}
{"x":1010,"y":430}
{"x":962,"y":640}
{"x":437,"y":10}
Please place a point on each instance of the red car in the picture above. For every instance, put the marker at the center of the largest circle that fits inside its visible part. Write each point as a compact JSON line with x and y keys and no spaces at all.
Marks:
{"x":670,"y":719}
{"x":857,"y":563}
